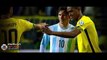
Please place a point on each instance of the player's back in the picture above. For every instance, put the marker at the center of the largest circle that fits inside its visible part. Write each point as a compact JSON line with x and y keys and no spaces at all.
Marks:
{"x":10,"y":32}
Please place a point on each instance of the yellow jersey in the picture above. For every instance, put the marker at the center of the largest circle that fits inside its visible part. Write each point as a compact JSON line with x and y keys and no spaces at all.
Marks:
{"x":11,"y":30}
{"x":88,"y":38}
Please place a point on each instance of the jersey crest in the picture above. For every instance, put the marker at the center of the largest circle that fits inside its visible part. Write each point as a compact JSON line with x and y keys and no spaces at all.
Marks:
{"x":81,"y":22}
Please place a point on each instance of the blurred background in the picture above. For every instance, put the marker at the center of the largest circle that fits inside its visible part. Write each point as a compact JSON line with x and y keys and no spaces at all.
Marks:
{"x":30,"y":40}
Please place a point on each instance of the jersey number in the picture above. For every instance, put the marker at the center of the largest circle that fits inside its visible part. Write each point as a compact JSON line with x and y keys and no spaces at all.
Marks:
{"x":61,"y":43}
{"x":9,"y":35}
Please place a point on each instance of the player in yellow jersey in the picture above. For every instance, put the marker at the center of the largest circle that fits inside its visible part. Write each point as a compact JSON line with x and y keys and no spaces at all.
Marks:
{"x":11,"y":29}
{"x":85,"y":31}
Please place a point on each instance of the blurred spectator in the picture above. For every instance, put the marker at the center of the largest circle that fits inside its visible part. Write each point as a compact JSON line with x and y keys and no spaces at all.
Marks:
{"x":89,"y":11}
{"x":54,"y":11}
{"x":48,"y":10}
{"x":25,"y":11}
{"x":16,"y":10}
{"x":41,"y":11}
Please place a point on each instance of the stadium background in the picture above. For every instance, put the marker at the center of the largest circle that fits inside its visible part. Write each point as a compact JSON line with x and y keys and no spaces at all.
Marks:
{"x":30,"y":40}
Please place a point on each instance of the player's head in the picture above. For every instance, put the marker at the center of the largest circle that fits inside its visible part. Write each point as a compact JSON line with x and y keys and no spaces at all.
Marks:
{"x":6,"y":11}
{"x":63,"y":14}
{"x":74,"y":12}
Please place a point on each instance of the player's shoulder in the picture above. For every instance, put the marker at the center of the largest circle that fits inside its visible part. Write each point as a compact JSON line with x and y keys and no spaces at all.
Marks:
{"x":12,"y":19}
{"x":18,"y":19}
{"x":71,"y":25}
{"x":86,"y":18}
{"x":22,"y":20}
{"x":52,"y":26}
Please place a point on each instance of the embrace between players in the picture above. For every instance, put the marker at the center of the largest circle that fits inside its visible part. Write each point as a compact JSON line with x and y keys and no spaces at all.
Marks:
{"x":58,"y":35}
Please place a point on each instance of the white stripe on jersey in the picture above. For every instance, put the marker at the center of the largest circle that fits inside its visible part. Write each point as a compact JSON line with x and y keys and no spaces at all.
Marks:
{"x":54,"y":40}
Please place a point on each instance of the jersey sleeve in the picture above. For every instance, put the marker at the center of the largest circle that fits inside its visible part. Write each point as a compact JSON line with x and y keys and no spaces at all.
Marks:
{"x":82,"y":24}
{"x":44,"y":42}
{"x":26,"y":24}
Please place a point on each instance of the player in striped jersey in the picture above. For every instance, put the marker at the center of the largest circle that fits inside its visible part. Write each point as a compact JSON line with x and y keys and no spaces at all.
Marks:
{"x":87,"y":37}
{"x":11,"y":29}
{"x":59,"y":44}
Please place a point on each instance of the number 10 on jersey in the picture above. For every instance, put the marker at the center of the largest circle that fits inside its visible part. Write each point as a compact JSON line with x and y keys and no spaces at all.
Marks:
{"x":61,"y":43}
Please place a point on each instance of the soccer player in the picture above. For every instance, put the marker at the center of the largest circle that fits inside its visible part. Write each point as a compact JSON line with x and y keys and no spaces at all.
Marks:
{"x":11,"y":29}
{"x":59,"y":44}
{"x":85,"y":31}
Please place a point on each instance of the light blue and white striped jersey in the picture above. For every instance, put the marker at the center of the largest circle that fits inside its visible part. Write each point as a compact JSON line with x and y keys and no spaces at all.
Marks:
{"x":58,"y":44}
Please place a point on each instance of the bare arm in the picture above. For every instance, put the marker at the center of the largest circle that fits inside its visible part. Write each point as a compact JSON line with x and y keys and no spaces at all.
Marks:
{"x":40,"y":26}
{"x":71,"y":34}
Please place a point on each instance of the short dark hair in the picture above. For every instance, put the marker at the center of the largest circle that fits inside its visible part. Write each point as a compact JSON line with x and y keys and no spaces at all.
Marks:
{"x":82,"y":8}
{"x":63,"y":8}
{"x":4,"y":10}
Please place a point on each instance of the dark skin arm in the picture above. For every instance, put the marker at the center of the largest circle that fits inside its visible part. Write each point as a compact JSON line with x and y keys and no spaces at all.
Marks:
{"x":39,"y":26}
{"x":71,"y":34}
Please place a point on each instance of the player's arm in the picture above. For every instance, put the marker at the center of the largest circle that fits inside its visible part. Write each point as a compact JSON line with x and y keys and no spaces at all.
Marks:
{"x":70,"y":34}
{"x":40,"y":25}
{"x":77,"y":30}
{"x":26,"y":25}
{"x":44,"y":42}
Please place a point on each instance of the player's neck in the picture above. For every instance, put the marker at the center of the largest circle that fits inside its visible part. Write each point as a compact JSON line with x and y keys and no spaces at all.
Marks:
{"x":63,"y":25}
{"x":80,"y":16}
